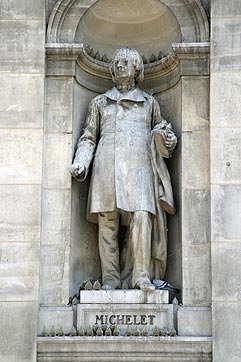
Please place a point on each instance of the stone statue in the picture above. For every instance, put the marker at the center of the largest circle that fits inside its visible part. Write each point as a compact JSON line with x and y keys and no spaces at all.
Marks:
{"x":126,"y":138}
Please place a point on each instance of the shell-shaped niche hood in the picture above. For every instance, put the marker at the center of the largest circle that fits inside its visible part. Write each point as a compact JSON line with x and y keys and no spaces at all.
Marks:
{"x":147,"y":25}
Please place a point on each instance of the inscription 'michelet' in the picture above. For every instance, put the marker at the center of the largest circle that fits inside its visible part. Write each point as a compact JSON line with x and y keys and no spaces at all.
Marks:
{"x":125,"y":319}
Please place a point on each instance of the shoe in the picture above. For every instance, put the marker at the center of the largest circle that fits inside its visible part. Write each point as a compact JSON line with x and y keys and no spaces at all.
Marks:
{"x":144,"y":284}
{"x":109,"y":285}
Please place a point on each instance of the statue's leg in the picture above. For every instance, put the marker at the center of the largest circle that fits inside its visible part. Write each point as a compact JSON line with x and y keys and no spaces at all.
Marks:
{"x":126,"y":258}
{"x":109,"y":249}
{"x":140,"y":238}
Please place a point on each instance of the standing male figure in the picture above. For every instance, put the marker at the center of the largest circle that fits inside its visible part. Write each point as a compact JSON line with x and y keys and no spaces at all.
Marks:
{"x":126,"y":137}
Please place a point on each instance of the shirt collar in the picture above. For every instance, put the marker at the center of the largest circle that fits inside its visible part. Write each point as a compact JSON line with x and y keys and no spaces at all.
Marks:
{"x":134,"y":95}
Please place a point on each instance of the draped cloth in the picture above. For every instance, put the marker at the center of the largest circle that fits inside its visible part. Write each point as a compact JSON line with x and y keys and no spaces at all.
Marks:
{"x":164,"y":203}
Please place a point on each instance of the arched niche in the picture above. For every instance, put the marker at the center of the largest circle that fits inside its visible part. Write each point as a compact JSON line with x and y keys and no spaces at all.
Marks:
{"x":151,"y":26}
{"x":80,"y":71}
{"x":67,"y":14}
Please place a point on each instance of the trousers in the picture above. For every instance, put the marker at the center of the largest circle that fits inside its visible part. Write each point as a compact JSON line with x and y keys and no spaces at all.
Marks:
{"x":126,"y":265}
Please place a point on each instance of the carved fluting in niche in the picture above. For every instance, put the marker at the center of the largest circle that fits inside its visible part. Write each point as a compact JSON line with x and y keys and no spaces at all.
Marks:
{"x":104,"y":58}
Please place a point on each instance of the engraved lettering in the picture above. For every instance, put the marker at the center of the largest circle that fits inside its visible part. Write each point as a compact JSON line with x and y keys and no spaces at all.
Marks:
{"x":135,"y":322}
{"x":128,"y":320}
{"x":125,"y":319}
{"x":111,"y":319}
{"x":151,"y":317}
{"x":120,"y":319}
{"x":106,"y":319}
{"x":99,"y":319}
{"x":143,"y":320}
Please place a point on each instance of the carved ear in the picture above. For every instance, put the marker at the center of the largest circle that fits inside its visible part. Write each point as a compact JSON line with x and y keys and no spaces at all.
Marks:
{"x":111,"y":67}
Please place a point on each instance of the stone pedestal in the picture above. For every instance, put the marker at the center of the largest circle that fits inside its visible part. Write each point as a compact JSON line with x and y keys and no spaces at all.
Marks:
{"x":126,"y":310}
{"x":140,"y":329}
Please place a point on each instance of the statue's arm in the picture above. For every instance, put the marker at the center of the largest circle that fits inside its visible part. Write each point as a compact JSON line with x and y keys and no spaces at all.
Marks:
{"x":87,"y":143}
{"x":165,"y":138}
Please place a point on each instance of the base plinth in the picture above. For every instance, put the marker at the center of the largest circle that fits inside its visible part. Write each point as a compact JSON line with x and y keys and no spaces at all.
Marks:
{"x":126,"y":310}
{"x":126,"y":349}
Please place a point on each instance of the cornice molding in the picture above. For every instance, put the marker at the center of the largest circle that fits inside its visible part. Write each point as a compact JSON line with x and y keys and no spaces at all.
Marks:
{"x":73,"y":60}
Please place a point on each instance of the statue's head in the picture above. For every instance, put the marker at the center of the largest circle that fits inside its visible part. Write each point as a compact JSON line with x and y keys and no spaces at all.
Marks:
{"x":127,"y":66}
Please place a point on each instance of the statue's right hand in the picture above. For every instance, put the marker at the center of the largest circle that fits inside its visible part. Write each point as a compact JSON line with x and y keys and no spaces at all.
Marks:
{"x":77,"y":169}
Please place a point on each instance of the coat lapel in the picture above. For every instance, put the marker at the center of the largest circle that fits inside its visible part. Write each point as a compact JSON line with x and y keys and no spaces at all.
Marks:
{"x":134,"y":95}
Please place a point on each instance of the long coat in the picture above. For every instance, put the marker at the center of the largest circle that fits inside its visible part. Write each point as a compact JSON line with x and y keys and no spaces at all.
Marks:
{"x":119,"y":138}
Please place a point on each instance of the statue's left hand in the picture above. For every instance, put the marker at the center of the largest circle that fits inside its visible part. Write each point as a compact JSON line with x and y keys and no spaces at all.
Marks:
{"x":77,"y":169}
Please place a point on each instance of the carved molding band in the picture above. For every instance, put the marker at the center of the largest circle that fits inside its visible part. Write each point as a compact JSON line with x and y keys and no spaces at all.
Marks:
{"x":186,"y":58}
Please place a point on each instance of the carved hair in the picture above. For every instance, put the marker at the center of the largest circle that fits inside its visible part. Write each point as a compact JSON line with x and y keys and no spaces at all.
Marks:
{"x":136,"y":59}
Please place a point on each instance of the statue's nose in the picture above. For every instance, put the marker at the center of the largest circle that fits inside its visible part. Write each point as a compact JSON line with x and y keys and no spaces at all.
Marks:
{"x":119,"y":65}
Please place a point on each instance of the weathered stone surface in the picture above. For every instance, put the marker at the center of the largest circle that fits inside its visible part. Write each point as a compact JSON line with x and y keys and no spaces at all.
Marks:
{"x":225,"y":211}
{"x":20,"y":156}
{"x":226,"y":332}
{"x":206,"y":5}
{"x":20,"y":213}
{"x":22,"y":9}
{"x":121,"y":349}
{"x":54,"y":274}
{"x":124,"y":296}
{"x":224,"y":8}
{"x":64,"y":68}
{"x":84,"y":258}
{"x":195,"y":160}
{"x":58,"y":157}
{"x":196,"y":217}
{"x":19,"y":271}
{"x":195,"y":103}
{"x":56,"y":216}
{"x":59,"y":105}
{"x":226,"y":43}
{"x":194,"y":321}
{"x":49,"y":7}
{"x":226,"y":280}
{"x":80,"y":109}
{"x":22,"y":46}
{"x":174,"y":268}
{"x":18,"y":331}
{"x":196,"y":275}
{"x":21,"y":101}
{"x":195,"y":67}
{"x":56,"y":316}
{"x":226,"y":155}
{"x":171,"y":107}
{"x":226,"y":105}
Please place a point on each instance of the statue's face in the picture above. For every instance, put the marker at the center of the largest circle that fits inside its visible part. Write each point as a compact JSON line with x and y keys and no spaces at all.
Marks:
{"x":124,"y":70}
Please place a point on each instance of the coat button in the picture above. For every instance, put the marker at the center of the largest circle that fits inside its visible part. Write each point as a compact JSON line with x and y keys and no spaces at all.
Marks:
{"x":135,"y":105}
{"x":133,"y":130}
{"x":131,"y":143}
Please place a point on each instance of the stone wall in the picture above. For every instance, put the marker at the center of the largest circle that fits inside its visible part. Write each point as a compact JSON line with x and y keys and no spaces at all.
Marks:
{"x":225,"y":114}
{"x":22,"y":63}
